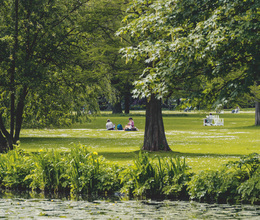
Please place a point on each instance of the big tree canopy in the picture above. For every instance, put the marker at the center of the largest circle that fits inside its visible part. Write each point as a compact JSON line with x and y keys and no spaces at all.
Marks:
{"x":193,"y":37}
{"x":184,"y":41}
{"x":44,"y":66}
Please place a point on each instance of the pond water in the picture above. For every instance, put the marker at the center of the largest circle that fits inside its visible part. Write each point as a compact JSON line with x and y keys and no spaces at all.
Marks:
{"x":42,"y":208}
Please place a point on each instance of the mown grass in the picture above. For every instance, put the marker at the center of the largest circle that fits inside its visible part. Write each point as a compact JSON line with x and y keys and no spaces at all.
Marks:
{"x":203,"y":147}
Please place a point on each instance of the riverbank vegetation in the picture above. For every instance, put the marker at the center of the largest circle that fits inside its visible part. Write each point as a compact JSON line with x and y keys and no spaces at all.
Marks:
{"x":82,"y":172}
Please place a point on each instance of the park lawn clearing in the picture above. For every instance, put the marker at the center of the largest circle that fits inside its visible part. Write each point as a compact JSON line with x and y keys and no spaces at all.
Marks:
{"x":203,"y":147}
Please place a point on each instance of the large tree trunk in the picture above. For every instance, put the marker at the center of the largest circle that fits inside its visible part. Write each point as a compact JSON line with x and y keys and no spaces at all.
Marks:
{"x":257,"y":113}
{"x":154,"y":136}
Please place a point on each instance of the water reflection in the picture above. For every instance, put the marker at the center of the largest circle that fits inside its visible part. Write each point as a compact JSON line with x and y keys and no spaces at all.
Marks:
{"x":61,"y":208}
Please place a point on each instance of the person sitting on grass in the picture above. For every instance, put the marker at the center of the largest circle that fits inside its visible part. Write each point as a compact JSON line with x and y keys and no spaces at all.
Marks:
{"x":130,"y":126}
{"x":110,"y":125}
{"x":209,"y":119}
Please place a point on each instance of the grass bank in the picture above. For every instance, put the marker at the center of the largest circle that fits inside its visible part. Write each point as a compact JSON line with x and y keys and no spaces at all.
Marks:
{"x":203,"y":147}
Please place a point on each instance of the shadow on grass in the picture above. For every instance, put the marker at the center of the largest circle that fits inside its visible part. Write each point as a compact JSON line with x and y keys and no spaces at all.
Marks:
{"x":193,"y":155}
{"x":180,"y":154}
{"x":134,"y":154}
{"x":247,"y":127}
{"x":174,"y":114}
{"x":70,"y":141}
{"x":115,"y":156}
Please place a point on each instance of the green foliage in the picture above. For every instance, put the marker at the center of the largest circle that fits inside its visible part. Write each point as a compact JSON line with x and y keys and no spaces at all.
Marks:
{"x":14,"y":167}
{"x":214,"y":186}
{"x":154,"y":179}
{"x":250,"y":189}
{"x":139,"y":179}
{"x":103,"y":19}
{"x":82,"y":172}
{"x":249,"y":169}
{"x":78,"y":171}
{"x":176,"y":177}
{"x":247,"y":164}
{"x":236,"y":182}
{"x":48,"y":172}
{"x":207,"y":48}
{"x":90,"y":173}
{"x":46,"y":73}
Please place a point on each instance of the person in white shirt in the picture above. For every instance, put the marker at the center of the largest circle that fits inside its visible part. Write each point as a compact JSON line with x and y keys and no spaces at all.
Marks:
{"x":110,"y":125}
{"x":209,"y":119}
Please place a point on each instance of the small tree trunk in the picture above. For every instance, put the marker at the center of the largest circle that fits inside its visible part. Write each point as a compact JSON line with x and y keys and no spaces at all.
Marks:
{"x":117,"y":108}
{"x":5,"y":135}
{"x":257,"y":113}
{"x":12,"y":70}
{"x":154,"y":136}
{"x":19,"y":114}
{"x":3,"y":143}
{"x":127,"y":102}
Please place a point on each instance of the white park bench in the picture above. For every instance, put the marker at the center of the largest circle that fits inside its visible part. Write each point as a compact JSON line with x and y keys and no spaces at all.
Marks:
{"x":213,"y":120}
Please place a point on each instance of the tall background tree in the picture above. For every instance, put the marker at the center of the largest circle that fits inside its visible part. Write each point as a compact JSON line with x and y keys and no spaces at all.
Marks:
{"x":44,"y":65}
{"x":102,"y":19}
{"x":183,"y":41}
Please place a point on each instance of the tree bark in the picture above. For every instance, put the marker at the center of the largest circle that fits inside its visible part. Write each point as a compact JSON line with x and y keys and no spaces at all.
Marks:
{"x":127,"y":102}
{"x":257,"y":113}
{"x":154,"y":136}
{"x":117,"y":109}
{"x":12,"y":70}
{"x":257,"y":105}
{"x":3,"y":143}
{"x":5,"y":135}
{"x":19,"y":114}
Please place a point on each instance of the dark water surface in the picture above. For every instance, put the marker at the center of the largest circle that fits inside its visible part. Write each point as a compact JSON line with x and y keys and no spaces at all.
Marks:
{"x":42,"y":208}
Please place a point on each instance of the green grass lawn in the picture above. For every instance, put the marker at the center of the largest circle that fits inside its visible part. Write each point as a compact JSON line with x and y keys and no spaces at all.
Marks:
{"x":204,"y":147}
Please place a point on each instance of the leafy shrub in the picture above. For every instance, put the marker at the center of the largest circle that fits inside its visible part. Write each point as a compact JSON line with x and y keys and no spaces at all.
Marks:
{"x":248,"y":168}
{"x":48,"y":172}
{"x":152,"y":179}
{"x":214,"y":186}
{"x":139,"y":179}
{"x":14,"y":167}
{"x":247,"y":164}
{"x":250,"y":189}
{"x":90,"y":173}
{"x":176,"y":178}
{"x":78,"y":171}
{"x":237,"y":181}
